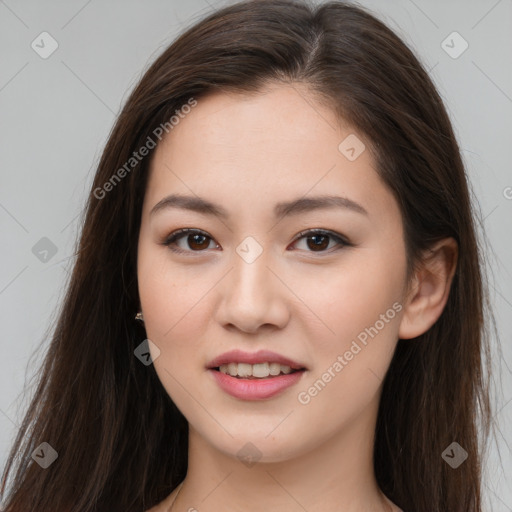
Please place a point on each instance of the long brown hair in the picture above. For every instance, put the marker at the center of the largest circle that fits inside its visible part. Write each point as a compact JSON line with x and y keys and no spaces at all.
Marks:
{"x":121,"y":442}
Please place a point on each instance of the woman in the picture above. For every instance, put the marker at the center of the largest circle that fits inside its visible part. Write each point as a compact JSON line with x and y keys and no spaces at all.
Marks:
{"x":277,"y":302}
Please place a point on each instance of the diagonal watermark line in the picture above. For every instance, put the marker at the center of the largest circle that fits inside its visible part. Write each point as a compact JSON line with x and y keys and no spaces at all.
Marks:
{"x":12,"y":78}
{"x":492,"y":81}
{"x":497,"y":497}
{"x":14,"y":218}
{"x":285,"y":490}
{"x":71,"y":221}
{"x":500,"y":294}
{"x":505,"y":440}
{"x":88,"y":87}
{"x":12,"y":280}
{"x":482,"y":220}
{"x":198,"y":402}
{"x":503,"y":407}
{"x":424,"y":14}
{"x":312,"y":106}
{"x":13,"y":13}
{"x":217,"y":486}
{"x":279,"y":423}
{"x":210,"y":4}
{"x":9,"y":418}
{"x":307,"y":192}
{"x":380,"y":379}
{"x":432,"y":68}
{"x":300,"y":300}
{"x":73,"y":17}
{"x":491,"y":212}
{"x":498,"y":2}
{"x":206,"y":293}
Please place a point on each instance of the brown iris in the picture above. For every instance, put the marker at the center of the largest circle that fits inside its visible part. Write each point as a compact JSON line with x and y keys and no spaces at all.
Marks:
{"x":320,"y":245}
{"x":199,"y":245}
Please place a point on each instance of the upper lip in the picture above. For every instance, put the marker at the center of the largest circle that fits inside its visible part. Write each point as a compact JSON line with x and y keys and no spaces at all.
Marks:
{"x":262,"y":356}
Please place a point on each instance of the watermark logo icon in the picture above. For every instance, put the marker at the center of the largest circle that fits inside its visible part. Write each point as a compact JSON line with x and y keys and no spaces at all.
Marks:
{"x":454,"y":455}
{"x":44,"y":45}
{"x":454,"y":45}
{"x":44,"y":250}
{"x":44,"y":455}
{"x":147,"y":352}
{"x":351,"y":147}
{"x":249,"y":250}
{"x":249,"y":454}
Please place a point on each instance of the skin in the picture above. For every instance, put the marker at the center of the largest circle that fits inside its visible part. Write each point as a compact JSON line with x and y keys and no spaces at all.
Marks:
{"x":248,"y":153}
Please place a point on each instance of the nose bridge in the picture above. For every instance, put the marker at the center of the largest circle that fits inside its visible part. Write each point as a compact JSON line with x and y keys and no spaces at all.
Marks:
{"x":251,"y":273}
{"x":252,"y":295}
{"x":251,"y":279}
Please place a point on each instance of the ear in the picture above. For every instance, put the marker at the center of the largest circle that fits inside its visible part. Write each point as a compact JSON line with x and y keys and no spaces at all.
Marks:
{"x":429,"y":289}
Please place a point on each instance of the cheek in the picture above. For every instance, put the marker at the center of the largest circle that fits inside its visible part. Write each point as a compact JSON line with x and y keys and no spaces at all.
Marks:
{"x":362,"y":307}
{"x":172,"y":299}
{"x":175,"y":317}
{"x":360,"y":310}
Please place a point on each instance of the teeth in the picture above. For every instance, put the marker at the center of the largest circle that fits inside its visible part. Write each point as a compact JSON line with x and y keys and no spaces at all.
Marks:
{"x":260,"y":370}
{"x":275,"y":368}
{"x":244,"y":370}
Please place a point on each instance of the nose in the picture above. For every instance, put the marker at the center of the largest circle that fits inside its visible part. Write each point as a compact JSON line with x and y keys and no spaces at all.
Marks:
{"x":252,"y":297}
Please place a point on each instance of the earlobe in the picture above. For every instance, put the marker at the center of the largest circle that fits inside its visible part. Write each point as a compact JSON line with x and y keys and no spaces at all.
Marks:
{"x":429,"y":289}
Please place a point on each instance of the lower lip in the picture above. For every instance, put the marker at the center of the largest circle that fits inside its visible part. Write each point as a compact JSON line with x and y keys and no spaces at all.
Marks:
{"x":255,"y":389}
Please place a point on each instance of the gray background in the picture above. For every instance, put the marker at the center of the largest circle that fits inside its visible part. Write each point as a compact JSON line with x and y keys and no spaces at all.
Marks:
{"x":56,"y":113}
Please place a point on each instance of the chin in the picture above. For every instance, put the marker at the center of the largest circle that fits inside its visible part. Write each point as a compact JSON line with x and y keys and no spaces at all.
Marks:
{"x":251,"y":447}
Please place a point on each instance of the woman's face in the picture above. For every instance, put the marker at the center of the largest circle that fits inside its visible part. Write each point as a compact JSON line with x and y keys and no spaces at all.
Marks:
{"x":246,"y":280}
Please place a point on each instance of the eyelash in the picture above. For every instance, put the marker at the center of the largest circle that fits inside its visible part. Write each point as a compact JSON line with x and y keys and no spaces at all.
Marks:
{"x":176,"y":235}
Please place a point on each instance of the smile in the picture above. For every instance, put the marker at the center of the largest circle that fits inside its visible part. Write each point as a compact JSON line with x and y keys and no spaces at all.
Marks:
{"x":254,"y":376}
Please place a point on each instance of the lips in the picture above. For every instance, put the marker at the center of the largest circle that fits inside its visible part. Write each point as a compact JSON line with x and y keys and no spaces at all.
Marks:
{"x":256,"y":389}
{"x":262,"y":356}
{"x":248,"y":387}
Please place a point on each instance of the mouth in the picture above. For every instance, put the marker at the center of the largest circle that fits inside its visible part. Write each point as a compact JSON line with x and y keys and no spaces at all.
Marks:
{"x":255,"y":376}
{"x":263,"y":364}
{"x":266,"y":370}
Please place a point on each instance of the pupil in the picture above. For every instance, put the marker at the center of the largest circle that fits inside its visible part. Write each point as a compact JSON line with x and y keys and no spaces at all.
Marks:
{"x":319,"y":244}
{"x":199,"y":243}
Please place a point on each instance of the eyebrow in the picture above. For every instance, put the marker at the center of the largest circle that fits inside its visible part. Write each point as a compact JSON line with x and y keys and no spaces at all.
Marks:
{"x":295,"y":207}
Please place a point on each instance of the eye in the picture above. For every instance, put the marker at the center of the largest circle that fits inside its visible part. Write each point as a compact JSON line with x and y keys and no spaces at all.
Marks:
{"x":318,"y":239}
{"x":196,"y":240}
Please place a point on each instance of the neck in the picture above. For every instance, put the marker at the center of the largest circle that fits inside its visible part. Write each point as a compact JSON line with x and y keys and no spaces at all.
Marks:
{"x":335,"y":475}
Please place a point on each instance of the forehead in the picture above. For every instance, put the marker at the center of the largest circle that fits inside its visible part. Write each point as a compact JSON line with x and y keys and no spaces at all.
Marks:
{"x":276,"y":144}
{"x":266,"y":131}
